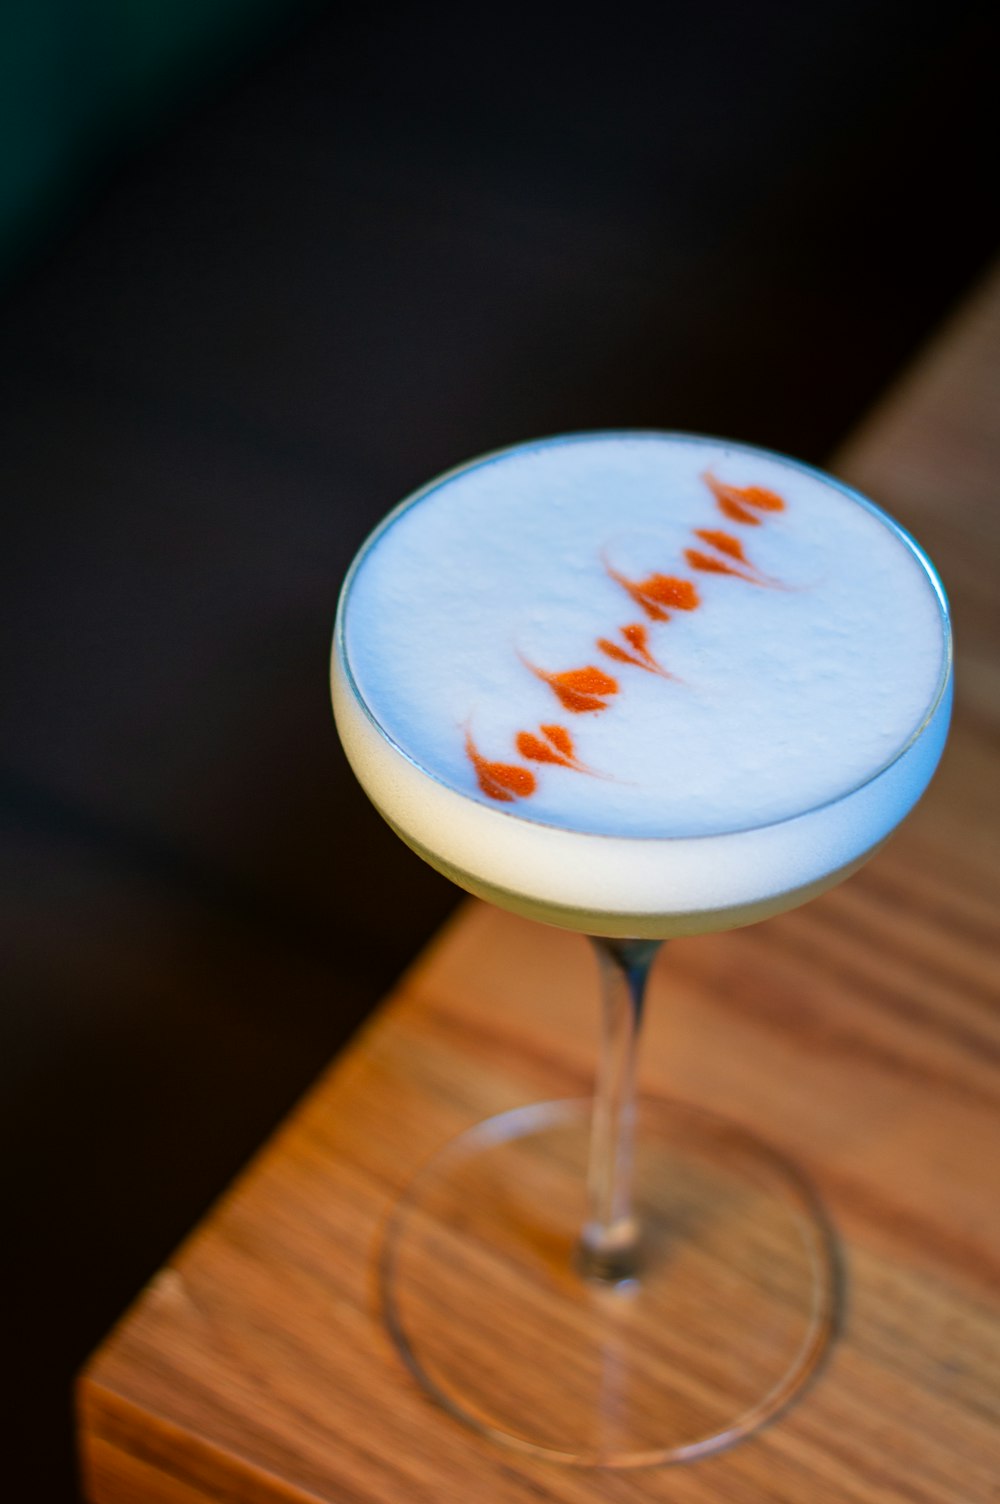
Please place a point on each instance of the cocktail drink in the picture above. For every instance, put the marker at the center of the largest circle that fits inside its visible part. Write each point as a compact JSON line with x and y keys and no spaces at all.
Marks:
{"x":638,"y":685}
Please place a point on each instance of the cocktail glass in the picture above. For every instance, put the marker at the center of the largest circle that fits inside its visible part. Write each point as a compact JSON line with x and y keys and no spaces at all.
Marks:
{"x":659,"y":1280}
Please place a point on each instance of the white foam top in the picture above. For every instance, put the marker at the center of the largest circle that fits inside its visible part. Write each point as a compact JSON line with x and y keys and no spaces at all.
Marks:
{"x":514,"y":615}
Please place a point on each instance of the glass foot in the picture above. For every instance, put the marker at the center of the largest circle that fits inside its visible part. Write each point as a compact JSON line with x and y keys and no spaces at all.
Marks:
{"x":733,"y":1308}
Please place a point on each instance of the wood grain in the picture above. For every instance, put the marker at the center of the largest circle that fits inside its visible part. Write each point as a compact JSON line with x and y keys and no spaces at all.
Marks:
{"x":861,"y":1034}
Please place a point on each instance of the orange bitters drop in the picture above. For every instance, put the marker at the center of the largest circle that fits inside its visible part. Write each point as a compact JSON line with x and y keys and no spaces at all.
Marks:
{"x":709,"y":564}
{"x":733,"y":561}
{"x":503,"y":781}
{"x":579,"y":689}
{"x":637,"y":651}
{"x":557,"y":747}
{"x":659,"y":594}
{"x":737,"y":502}
{"x":724,"y":542}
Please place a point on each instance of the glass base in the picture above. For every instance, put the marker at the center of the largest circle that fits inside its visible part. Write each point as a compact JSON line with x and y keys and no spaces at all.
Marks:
{"x":733,"y":1308}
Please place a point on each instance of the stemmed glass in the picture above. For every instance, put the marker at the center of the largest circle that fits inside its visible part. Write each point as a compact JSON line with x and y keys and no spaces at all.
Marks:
{"x":660,"y":1281}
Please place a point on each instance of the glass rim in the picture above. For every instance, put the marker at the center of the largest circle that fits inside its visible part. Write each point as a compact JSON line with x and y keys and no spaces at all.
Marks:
{"x":339,"y":652}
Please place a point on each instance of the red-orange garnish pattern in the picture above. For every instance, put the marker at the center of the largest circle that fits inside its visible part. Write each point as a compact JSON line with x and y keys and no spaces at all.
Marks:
{"x":590,"y":689}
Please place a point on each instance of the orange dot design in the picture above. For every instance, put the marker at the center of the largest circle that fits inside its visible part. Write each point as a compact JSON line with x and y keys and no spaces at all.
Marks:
{"x":589,"y":690}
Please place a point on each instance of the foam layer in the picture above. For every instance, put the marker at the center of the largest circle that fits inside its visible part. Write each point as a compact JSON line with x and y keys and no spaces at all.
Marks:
{"x":580,"y":675}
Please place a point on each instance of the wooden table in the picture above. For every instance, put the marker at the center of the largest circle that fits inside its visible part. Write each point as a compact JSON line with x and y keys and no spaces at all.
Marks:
{"x":860,"y":1033}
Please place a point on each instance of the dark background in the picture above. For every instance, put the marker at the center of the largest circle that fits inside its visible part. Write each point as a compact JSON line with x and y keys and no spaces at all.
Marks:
{"x":329,"y":257}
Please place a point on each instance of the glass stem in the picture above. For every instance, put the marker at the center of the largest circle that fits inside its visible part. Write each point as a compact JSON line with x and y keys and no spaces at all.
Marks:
{"x":609,"y":1249}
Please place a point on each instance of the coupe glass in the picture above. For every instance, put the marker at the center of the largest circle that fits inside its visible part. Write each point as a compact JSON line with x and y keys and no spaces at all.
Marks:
{"x":659,"y":1280}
